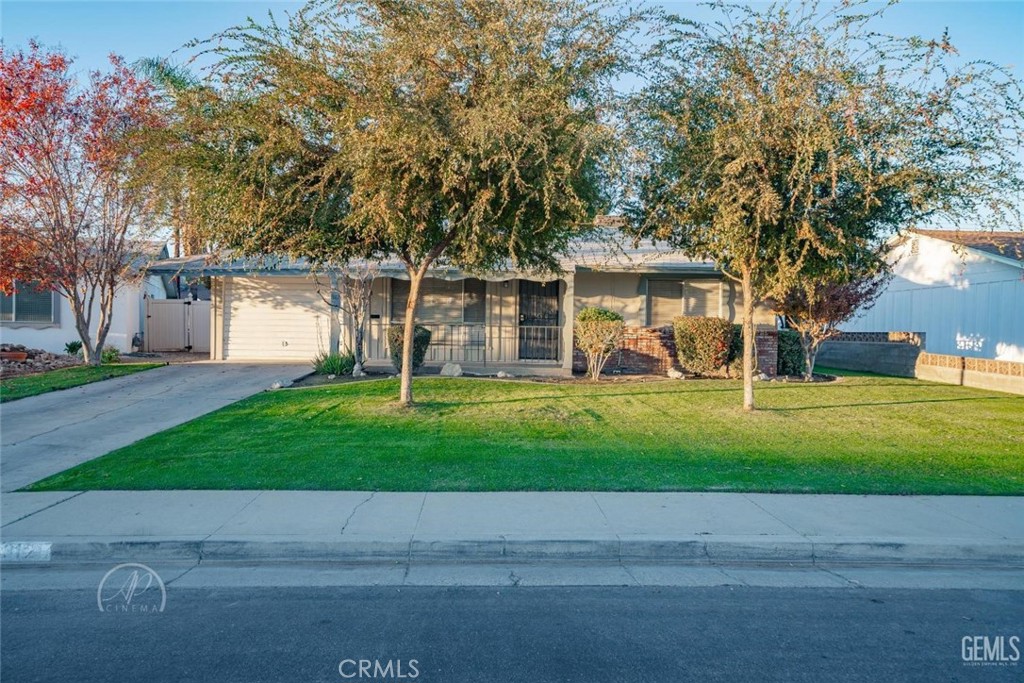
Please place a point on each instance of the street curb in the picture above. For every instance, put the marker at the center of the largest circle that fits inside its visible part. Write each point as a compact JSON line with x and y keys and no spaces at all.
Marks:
{"x":720,"y":550}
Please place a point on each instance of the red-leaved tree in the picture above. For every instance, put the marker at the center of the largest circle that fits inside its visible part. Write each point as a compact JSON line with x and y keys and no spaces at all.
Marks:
{"x":819,"y":302}
{"x":70,"y":206}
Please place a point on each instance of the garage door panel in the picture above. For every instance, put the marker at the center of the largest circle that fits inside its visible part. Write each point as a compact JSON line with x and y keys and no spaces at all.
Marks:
{"x":278,"y":318}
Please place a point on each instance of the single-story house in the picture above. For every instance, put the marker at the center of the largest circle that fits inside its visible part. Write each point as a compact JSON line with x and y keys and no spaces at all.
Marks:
{"x":963,"y":289}
{"x":277,"y":309}
{"x":43,"y":319}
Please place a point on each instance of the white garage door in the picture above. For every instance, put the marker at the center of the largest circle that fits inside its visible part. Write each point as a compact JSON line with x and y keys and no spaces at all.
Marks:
{"x":274,"y":318}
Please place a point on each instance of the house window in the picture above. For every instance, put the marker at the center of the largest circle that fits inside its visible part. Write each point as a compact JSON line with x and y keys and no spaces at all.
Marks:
{"x":27,"y":305}
{"x":442,"y":301}
{"x":667,"y":299}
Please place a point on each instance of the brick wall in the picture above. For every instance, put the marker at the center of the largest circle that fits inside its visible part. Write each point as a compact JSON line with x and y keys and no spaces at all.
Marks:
{"x":652,"y":351}
{"x":644,"y":350}
{"x":767,"y":348}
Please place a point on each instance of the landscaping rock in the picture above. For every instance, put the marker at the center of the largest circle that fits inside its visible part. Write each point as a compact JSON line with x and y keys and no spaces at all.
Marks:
{"x":451,"y":370}
{"x":674,"y":374}
{"x":504,"y":375}
{"x":36,"y":360}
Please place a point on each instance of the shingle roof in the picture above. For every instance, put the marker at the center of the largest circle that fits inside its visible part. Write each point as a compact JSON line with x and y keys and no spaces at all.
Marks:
{"x":599,"y":252}
{"x":1008,"y":244}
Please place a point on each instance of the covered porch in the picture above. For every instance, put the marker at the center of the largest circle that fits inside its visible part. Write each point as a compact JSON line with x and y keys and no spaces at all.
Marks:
{"x":482,"y":325}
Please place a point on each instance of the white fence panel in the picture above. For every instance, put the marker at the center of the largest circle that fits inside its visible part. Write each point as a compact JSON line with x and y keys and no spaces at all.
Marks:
{"x":177,"y":325}
{"x":199,"y":327}
{"x":165,"y":325}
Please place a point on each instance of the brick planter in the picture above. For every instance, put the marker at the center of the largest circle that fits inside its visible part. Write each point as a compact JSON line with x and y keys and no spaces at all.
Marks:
{"x":652,"y":351}
{"x":644,"y":351}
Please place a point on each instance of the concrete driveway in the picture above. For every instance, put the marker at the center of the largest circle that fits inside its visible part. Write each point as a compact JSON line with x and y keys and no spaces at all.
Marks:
{"x":46,"y":434}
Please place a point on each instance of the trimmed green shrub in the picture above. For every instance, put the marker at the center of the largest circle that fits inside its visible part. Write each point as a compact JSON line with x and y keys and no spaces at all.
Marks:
{"x":420,"y":342}
{"x":791,"y":354}
{"x":597,"y":314}
{"x":703,"y":344}
{"x":110,"y":354}
{"x":735,"y":363}
{"x":598,"y":333}
{"x":73,"y":348}
{"x":334,"y":363}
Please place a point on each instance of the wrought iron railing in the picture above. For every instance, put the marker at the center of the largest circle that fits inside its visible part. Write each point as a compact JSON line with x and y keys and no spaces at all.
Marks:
{"x":478,"y":343}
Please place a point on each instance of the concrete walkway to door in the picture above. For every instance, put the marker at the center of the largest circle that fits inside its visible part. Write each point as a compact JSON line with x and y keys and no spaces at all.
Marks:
{"x":46,"y":434}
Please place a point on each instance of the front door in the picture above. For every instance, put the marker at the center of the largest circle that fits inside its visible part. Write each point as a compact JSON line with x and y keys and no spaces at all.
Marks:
{"x":538,"y":320}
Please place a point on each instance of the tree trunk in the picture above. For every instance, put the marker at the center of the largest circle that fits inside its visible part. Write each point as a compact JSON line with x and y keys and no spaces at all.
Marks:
{"x":334,"y":336}
{"x":748,"y":342}
{"x":359,"y":323}
{"x":405,"y":394}
{"x":82,"y":324}
{"x":106,"y":317}
{"x":807,"y":342}
{"x":812,"y":356}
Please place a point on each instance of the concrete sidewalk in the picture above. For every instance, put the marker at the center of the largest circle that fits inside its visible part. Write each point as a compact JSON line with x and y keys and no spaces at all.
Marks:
{"x":47,"y":434}
{"x":700,"y":528}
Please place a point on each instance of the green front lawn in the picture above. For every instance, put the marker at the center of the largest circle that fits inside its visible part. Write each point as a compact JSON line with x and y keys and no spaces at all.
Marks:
{"x":859,"y":435}
{"x":14,"y":388}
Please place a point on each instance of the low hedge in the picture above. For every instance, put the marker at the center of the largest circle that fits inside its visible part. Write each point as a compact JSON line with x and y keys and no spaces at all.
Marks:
{"x":791,"y":354}
{"x":703,"y":344}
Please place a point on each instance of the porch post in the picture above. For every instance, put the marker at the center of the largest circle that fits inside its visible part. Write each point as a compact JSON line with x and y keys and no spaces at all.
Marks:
{"x":334,"y":310}
{"x":568,"y":320}
{"x":217,"y":296}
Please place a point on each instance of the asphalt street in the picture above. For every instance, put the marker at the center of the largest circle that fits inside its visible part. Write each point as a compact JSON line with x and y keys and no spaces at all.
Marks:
{"x":334,"y":633}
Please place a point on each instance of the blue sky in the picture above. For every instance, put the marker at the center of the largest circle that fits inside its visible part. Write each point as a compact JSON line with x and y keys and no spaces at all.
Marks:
{"x":89,"y":30}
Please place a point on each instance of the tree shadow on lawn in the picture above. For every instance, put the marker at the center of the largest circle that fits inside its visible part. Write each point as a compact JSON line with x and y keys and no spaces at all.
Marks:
{"x":563,"y":397}
{"x":885,"y":403}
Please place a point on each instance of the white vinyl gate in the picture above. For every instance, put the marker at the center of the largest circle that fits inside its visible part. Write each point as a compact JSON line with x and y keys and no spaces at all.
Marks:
{"x":177,"y":325}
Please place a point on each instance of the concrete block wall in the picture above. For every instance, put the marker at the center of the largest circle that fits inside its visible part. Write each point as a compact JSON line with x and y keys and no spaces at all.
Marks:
{"x":886,"y":358}
{"x":904,"y":357}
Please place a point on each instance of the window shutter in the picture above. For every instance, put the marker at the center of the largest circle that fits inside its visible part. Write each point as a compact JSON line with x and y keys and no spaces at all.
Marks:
{"x":475,"y":292}
{"x":441,"y":301}
{"x":665,"y":299}
{"x":701,"y":297}
{"x":399,"y":299}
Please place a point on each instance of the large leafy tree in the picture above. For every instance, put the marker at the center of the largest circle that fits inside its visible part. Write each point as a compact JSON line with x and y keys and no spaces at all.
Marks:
{"x":782,"y":135}
{"x":73,"y":214}
{"x":463,"y":132}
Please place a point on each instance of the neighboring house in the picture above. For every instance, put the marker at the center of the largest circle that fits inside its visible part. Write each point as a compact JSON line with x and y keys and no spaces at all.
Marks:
{"x":43,"y":319}
{"x":964,"y":290}
{"x":276,"y":309}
